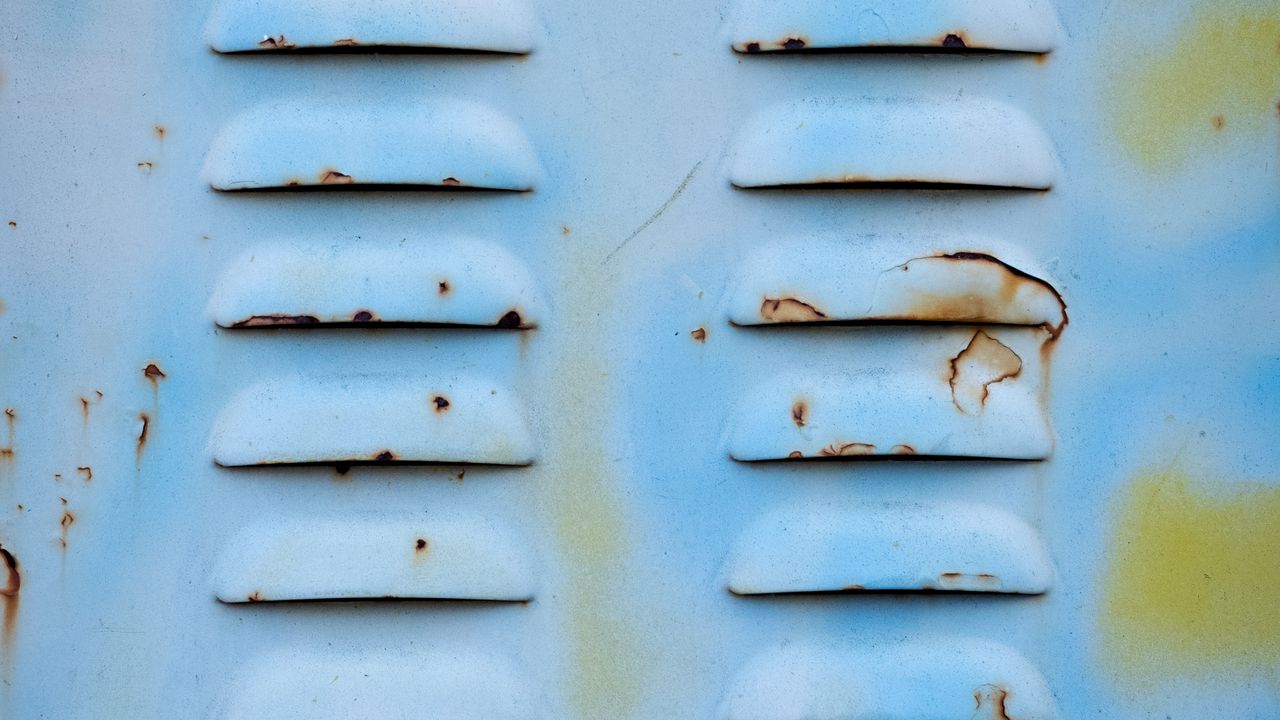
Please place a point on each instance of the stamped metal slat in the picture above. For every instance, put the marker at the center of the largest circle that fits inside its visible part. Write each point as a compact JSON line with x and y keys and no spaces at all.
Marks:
{"x":305,"y":143}
{"x":445,"y":557}
{"x":899,"y":547}
{"x":1027,"y":26}
{"x":503,"y":26}
{"x":897,"y":142}
{"x":372,"y":420}
{"x":455,"y":282}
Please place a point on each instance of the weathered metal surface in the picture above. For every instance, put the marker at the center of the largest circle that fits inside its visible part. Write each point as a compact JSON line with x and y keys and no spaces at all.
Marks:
{"x":830,"y":547}
{"x":370,"y":25}
{"x":341,"y":142}
{"x":713,"y":254}
{"x":949,"y":25}
{"x":892,"y":141}
{"x":449,"y":557}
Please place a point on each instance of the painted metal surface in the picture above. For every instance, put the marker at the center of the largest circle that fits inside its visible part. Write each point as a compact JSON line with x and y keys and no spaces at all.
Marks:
{"x":246,"y":245}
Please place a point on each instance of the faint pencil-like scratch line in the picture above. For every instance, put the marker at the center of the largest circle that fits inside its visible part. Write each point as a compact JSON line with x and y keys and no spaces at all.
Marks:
{"x":657,"y":213}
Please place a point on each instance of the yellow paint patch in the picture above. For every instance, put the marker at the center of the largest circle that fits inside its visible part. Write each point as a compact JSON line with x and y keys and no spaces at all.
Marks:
{"x":1192,"y":587}
{"x":1218,"y":75}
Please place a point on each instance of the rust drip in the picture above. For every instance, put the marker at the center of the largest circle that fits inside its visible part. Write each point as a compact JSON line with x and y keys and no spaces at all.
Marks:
{"x":699,"y":334}
{"x":335,"y":177}
{"x":143,"y":433}
{"x":800,"y":413}
{"x":847,"y":449}
{"x":789,"y":309}
{"x":274,"y":320}
{"x":984,"y":362}
{"x":280,"y":42}
{"x":442,"y":404}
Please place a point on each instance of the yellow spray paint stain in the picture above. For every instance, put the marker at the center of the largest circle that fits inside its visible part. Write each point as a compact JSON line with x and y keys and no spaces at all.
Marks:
{"x":1192,"y":585}
{"x":1217,"y":76}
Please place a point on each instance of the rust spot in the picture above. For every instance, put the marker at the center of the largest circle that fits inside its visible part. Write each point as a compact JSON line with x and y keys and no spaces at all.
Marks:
{"x":84,"y":407}
{"x":86,"y":471}
{"x":441,"y":402}
{"x":12,"y":577}
{"x":280,"y":42}
{"x":334,"y":177}
{"x":753,"y":47}
{"x":699,"y":334}
{"x":153,"y":373}
{"x":903,"y":450}
{"x":420,"y":545}
{"x":67,"y":519}
{"x":13,"y":224}
{"x":511,"y":320}
{"x":384,"y":456}
{"x":451,"y":181}
{"x":160,"y":132}
{"x":564,"y":230}
{"x":346,"y":42}
{"x":793,"y":43}
{"x":1219,"y":122}
{"x":273,"y":320}
{"x":847,"y":449}
{"x":955,"y":41}
{"x":255,"y":596}
{"x":799,"y":413}
{"x":142,"y":434}
{"x":795,"y":455}
{"x":789,"y":309}
{"x":984,"y":362}
{"x":342,"y":469}
{"x":364,"y":316}
{"x":443,"y":287}
{"x":992,"y":699}
{"x":146,"y":166}
{"x":292,"y":182}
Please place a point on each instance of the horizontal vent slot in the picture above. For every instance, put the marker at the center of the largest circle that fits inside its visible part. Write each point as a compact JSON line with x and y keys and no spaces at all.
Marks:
{"x":833,"y":282}
{"x":305,"y":145}
{"x":822,"y":548}
{"x":281,"y":26}
{"x":966,"y":393}
{"x":450,"y":558}
{"x":459,"y":283}
{"x":371,"y":420}
{"x":1024,"y":26}
{"x":935,"y":677}
{"x":910,"y":144}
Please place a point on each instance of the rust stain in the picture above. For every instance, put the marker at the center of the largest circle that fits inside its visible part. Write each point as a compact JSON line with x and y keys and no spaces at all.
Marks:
{"x":160,"y":132}
{"x":511,"y":319}
{"x":451,"y":181}
{"x":699,"y":334}
{"x":799,"y":413}
{"x":420,"y":546}
{"x":335,"y":177}
{"x":86,"y":471}
{"x":443,"y":287}
{"x":280,"y":42}
{"x":346,"y":42}
{"x":146,"y":166}
{"x":9,"y":591}
{"x":153,"y":373}
{"x":991,"y":703}
{"x":967,"y":581}
{"x":13,"y":224}
{"x":795,"y":455}
{"x":789,"y":42}
{"x":984,"y":362}
{"x":255,"y":596}
{"x":847,"y":449}
{"x":957,"y":40}
{"x":142,"y":434}
{"x":273,"y":320}
{"x":903,"y":450}
{"x":364,"y":316}
{"x":789,"y":309}
{"x":564,"y":230}
{"x":1219,"y":122}
{"x":11,"y":419}
{"x":67,"y":519}
{"x":384,"y":456}
{"x":442,"y":404}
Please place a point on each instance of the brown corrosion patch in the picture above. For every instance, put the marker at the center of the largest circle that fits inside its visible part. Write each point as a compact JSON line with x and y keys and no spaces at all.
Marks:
{"x":280,"y":42}
{"x":335,"y":177}
{"x":788,"y":309}
{"x":957,"y":40}
{"x":800,"y":413}
{"x":145,"y":419}
{"x":86,"y":471}
{"x":420,"y":545}
{"x":991,"y":701}
{"x":255,"y":596}
{"x":442,"y":404}
{"x":698,"y":334}
{"x":1219,"y":122}
{"x":160,"y":131}
{"x":789,"y":42}
{"x":68,"y":518}
{"x":13,"y":224}
{"x":364,"y":316}
{"x":795,"y":455}
{"x":346,"y":42}
{"x":274,"y":320}
{"x":511,"y":319}
{"x":984,"y":362}
{"x":384,"y":456}
{"x":903,"y":450}
{"x":154,"y":373}
{"x":451,"y":181}
{"x":847,"y":449}
{"x":443,"y":287}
